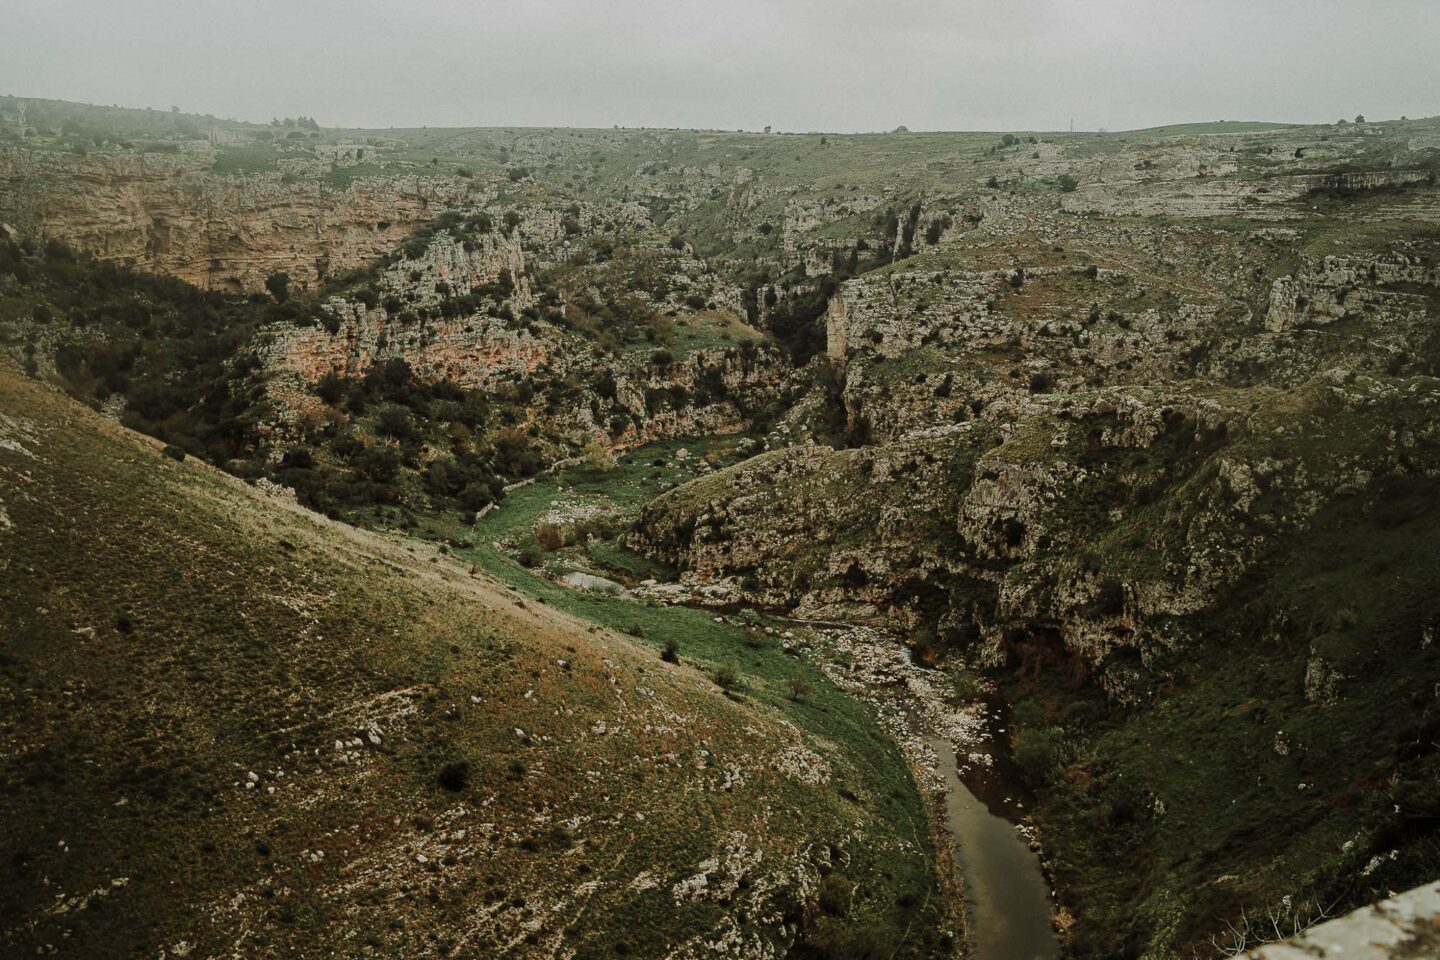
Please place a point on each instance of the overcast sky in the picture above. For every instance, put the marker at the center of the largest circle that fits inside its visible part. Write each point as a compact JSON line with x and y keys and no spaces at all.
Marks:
{"x":836,"y":65}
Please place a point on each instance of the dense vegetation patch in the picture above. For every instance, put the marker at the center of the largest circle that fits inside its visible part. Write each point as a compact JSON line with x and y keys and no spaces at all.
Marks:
{"x":179,"y":359}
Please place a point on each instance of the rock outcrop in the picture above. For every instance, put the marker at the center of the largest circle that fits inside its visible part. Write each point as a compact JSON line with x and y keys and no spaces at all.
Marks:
{"x":170,"y":214}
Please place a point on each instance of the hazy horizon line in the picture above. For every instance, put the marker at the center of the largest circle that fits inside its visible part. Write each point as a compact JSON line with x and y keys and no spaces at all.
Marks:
{"x":900,"y":128}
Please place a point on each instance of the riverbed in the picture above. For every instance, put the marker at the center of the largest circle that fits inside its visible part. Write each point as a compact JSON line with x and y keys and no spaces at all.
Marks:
{"x":1008,"y":898}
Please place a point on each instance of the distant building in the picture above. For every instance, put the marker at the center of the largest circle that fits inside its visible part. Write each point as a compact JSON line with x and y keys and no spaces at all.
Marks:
{"x":344,"y":153}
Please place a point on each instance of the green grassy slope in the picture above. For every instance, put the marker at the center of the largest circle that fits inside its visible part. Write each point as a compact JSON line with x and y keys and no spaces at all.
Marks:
{"x":1284,"y":741}
{"x":873,"y":770}
{"x":233,"y":726}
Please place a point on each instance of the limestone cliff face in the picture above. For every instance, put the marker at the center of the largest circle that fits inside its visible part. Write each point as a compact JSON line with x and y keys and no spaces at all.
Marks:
{"x":474,"y":351}
{"x":1153,"y":305}
{"x":1090,"y":436}
{"x":171,"y":214}
{"x":1272,"y":198}
{"x":451,"y":266}
{"x":1107,"y":521}
{"x":577,"y":394}
{"x":1331,"y":289}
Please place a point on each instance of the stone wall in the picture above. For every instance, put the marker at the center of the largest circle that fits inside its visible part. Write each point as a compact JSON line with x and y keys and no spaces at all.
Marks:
{"x":1404,"y":927}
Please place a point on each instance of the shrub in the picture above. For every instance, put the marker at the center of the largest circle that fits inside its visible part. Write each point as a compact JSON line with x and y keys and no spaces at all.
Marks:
{"x":454,"y":776}
{"x":842,"y":939}
{"x":671,"y":653}
{"x":479,"y":494}
{"x":279,"y":286}
{"x":799,"y":688}
{"x":330,"y":387}
{"x":1067,"y":183}
{"x":1037,"y":754}
{"x":835,"y":894}
{"x":174,"y":453}
{"x":379,"y":464}
{"x":396,"y":422}
{"x":726,"y":678}
{"x":549,"y":536}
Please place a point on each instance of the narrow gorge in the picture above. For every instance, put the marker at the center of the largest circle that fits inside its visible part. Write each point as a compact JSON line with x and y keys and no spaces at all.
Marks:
{"x":645,"y":542}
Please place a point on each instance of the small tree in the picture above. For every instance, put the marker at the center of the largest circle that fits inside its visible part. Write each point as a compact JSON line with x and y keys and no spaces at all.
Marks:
{"x":1068,"y":183}
{"x":279,"y":286}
